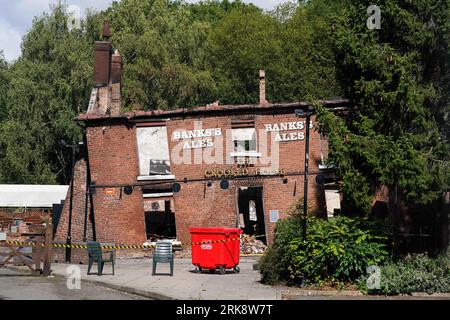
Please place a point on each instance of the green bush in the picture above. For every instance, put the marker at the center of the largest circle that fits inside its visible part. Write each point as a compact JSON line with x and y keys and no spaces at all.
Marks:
{"x":415,"y":273}
{"x":335,"y":251}
{"x":270,"y":266}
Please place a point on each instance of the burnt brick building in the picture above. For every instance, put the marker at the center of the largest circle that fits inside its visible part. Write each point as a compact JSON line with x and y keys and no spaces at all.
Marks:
{"x":21,"y":203}
{"x":150,"y":174}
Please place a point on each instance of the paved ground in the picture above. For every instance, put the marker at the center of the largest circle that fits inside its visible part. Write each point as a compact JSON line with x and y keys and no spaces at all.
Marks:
{"x":135,"y":275}
{"x":20,"y":286}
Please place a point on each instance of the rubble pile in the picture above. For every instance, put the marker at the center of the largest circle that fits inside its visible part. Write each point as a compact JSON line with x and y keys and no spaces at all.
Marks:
{"x":251,"y":245}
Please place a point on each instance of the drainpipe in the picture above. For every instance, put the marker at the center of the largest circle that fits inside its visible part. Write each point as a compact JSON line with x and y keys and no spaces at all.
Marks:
{"x":88,"y":181}
{"x":307,"y":114}
{"x":64,"y":144}
{"x":305,"y":187}
{"x":69,"y":232}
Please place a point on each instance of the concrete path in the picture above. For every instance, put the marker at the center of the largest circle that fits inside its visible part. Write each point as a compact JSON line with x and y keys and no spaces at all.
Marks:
{"x":134,"y":276}
{"x":16,"y":285}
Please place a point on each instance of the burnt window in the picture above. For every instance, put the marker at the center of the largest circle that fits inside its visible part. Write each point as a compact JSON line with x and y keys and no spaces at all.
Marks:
{"x":245,"y":144}
{"x":242,"y":143}
{"x":245,"y":147}
{"x":244,"y":140}
{"x":153,"y":151}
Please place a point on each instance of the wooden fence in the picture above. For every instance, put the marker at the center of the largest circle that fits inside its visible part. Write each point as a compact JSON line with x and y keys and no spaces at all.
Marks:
{"x":35,"y":253}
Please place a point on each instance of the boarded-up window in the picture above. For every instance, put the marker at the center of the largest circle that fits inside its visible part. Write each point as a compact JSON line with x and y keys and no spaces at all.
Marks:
{"x":244,"y":139}
{"x":153,"y":151}
{"x":333,"y":201}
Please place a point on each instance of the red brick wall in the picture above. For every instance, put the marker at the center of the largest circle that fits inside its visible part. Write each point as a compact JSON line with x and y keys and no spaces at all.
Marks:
{"x":114,"y":162}
{"x":119,"y":218}
{"x":29,"y":215}
{"x":282,"y":197}
{"x":113,"y":159}
{"x":78,"y":210}
{"x":292,"y":154}
{"x":197,"y":206}
{"x":216,"y":207}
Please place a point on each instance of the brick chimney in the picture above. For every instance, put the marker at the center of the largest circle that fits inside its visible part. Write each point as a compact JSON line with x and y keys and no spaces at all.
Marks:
{"x":105,"y":33}
{"x":116,"y":83}
{"x":262,"y":88}
{"x":106,"y":96}
{"x":116,"y":67}
{"x":102,"y":58}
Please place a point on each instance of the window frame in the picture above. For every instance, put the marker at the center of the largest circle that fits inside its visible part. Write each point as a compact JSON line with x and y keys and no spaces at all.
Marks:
{"x":144,"y":177}
{"x":246,"y":153}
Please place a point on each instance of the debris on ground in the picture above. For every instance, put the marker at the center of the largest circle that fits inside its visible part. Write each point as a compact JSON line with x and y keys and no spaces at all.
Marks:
{"x":251,"y":245}
{"x":135,"y":256}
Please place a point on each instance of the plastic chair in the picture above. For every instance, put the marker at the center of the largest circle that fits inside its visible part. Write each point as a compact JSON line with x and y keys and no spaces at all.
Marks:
{"x":163,"y":253}
{"x":96,"y":255}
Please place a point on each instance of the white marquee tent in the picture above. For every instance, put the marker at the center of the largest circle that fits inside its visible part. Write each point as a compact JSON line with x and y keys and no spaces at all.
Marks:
{"x":31,"y":196}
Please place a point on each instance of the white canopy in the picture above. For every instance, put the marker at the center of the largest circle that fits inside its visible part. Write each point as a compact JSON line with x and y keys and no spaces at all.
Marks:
{"x":26,"y":195}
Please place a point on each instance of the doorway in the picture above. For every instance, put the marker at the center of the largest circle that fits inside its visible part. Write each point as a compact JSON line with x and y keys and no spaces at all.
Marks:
{"x":160,"y":221}
{"x":251,"y":213}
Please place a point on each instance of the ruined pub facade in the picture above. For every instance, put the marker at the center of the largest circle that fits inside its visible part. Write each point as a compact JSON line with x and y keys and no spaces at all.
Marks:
{"x":145,"y":175}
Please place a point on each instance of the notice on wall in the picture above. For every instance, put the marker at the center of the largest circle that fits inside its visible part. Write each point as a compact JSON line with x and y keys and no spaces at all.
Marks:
{"x":252,"y":210}
{"x":241,"y":221}
{"x":274,"y":215}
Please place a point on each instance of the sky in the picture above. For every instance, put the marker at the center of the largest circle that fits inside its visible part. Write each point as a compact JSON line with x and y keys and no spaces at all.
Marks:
{"x":16,"y":18}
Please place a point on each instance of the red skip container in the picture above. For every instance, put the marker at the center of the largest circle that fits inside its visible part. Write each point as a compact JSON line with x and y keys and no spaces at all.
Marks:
{"x":216,"y":255}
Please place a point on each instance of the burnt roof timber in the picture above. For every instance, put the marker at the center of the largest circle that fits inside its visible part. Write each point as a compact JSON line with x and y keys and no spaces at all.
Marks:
{"x":333,"y":105}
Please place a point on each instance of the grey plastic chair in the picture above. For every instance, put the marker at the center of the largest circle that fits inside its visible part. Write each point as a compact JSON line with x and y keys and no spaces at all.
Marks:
{"x":163,"y":252}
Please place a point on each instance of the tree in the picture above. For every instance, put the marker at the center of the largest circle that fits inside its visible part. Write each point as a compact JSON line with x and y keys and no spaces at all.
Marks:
{"x":4,"y":82}
{"x":307,"y":52}
{"x":175,"y":54}
{"x":292,"y":43}
{"x":49,"y":85}
{"x":164,"y":54}
{"x":214,"y":11}
{"x":241,"y":45}
{"x":397,"y":78}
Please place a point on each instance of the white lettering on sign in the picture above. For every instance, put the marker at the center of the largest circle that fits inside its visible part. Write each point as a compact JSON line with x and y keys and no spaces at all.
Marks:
{"x":198,"y":133}
{"x":206,"y":246}
{"x":284,"y":126}
{"x":198,"y":144}
{"x":288,"y":126}
{"x":289,"y":136}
